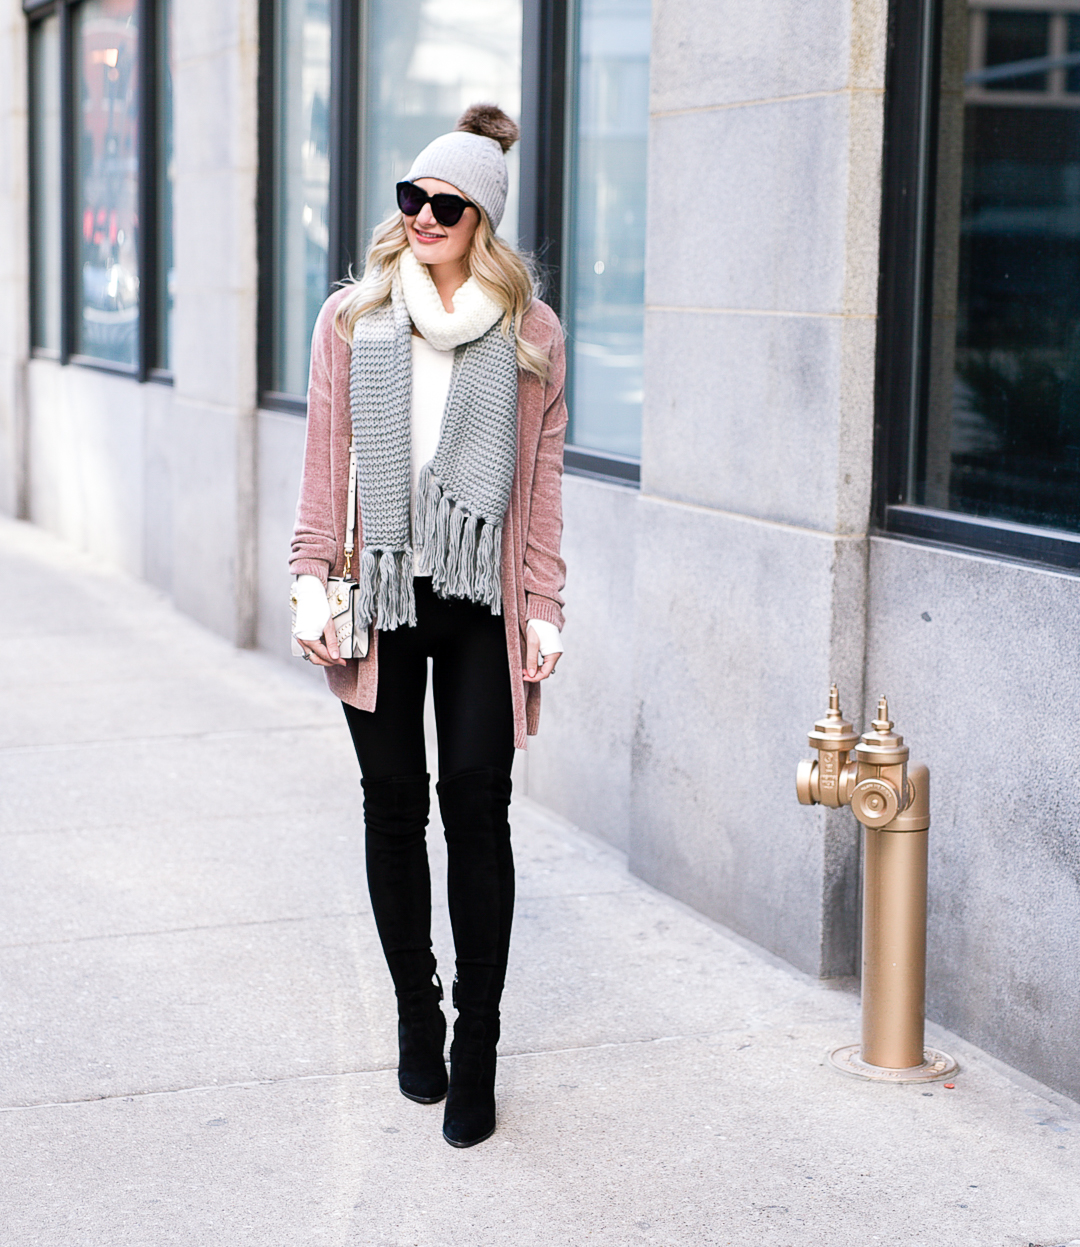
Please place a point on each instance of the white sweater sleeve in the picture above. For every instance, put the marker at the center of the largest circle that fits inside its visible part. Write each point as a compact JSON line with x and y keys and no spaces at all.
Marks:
{"x":312,"y":608}
{"x":548,"y":636}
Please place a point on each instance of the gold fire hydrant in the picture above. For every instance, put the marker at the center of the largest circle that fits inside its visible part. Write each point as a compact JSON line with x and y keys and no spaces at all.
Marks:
{"x":891,"y":799}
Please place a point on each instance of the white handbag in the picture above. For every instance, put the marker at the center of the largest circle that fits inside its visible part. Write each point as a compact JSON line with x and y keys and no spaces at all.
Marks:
{"x":342,"y":593}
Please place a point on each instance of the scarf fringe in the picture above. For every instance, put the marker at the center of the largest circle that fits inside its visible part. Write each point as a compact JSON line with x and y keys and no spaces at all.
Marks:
{"x":386,"y":589}
{"x":463,"y":550}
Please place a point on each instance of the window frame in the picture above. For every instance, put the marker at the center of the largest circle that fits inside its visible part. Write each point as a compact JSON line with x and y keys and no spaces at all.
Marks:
{"x":42,"y":10}
{"x":543,"y":154}
{"x":146,"y":369}
{"x":346,"y":17}
{"x":904,"y":292}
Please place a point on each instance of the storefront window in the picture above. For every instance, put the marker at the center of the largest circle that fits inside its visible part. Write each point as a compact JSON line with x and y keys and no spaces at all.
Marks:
{"x":45,"y":219}
{"x":425,"y":62}
{"x":302,"y":185}
{"x":1000,"y":433}
{"x":605,"y":264}
{"x":107,"y":177}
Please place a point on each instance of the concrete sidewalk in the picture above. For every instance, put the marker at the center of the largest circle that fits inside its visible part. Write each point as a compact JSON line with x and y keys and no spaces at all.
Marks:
{"x":197,"y":1029}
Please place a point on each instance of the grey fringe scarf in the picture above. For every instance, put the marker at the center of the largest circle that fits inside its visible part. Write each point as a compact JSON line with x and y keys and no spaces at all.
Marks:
{"x":463,"y":492}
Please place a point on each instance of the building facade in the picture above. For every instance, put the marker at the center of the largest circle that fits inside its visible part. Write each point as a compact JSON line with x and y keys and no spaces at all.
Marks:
{"x":818,"y":262}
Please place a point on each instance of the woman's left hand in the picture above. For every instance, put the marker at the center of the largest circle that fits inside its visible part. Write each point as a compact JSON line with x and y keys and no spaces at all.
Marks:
{"x":535,"y":668}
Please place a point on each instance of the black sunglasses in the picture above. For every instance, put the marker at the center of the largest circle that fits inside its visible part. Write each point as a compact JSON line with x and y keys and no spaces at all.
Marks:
{"x":446,"y":209}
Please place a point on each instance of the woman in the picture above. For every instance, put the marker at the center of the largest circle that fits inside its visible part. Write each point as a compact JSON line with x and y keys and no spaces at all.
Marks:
{"x":447,"y":374}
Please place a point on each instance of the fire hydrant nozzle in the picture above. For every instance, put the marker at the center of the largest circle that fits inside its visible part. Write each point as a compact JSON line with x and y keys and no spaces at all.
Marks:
{"x":871,"y":774}
{"x":830,"y":779}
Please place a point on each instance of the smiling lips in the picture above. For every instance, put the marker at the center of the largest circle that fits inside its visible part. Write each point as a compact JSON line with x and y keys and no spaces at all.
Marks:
{"x":424,"y":236}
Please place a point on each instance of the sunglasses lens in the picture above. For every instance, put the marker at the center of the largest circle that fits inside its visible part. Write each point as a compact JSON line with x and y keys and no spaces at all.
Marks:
{"x":410,"y":198}
{"x":448,"y":209}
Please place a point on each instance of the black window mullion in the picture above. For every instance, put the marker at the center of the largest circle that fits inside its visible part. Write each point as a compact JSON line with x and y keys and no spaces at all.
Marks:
{"x":147,"y":194}
{"x":343,"y":208}
{"x":264,"y":199}
{"x":69,"y":284}
{"x":344,"y":205}
{"x":548,"y":59}
{"x":1019,"y":543}
{"x":905,"y":245}
{"x":545,"y":30}
{"x":39,"y":11}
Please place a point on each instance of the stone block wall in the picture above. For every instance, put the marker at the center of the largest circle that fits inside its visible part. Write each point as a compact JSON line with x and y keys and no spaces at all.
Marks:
{"x":981,"y":665}
{"x":749,"y":535}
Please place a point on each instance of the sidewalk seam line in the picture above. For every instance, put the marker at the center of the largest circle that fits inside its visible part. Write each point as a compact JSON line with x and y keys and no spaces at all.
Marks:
{"x":231,"y":734}
{"x":266,"y":922}
{"x":349,"y":1073}
{"x":210,"y":926}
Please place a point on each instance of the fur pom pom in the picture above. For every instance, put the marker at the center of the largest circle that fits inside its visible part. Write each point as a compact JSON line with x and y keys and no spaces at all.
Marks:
{"x":490,"y":121}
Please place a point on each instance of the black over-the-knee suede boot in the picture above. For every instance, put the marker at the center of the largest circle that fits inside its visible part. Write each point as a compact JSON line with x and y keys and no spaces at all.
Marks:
{"x":480,"y":888}
{"x":399,"y":882}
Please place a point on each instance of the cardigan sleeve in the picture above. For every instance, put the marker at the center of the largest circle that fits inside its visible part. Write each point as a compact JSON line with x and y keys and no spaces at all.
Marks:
{"x":314,"y":543}
{"x":545,"y":571}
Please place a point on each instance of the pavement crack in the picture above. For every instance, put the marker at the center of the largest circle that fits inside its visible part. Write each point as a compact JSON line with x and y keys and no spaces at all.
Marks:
{"x":148,"y":738}
{"x":326,"y":1076}
{"x":209,"y":926}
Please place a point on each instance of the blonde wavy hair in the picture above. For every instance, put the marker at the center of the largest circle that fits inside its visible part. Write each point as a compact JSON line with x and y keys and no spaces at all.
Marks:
{"x":504,"y":275}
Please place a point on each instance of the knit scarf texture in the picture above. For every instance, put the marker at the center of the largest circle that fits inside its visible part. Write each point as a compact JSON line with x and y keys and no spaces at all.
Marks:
{"x":474,"y":312}
{"x":464,"y":491}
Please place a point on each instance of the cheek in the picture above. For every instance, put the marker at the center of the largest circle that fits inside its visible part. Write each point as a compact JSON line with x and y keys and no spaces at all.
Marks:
{"x":463,"y":241}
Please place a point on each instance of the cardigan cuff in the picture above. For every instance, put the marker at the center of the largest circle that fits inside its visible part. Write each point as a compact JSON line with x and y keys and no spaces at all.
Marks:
{"x":310,"y":567}
{"x":537,"y":607}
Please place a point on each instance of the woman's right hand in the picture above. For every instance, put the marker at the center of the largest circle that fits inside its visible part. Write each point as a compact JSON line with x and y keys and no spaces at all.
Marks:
{"x":324,"y":653}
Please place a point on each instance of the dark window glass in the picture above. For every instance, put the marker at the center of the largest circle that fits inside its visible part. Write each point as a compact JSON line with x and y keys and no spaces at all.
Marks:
{"x":1011,"y":38}
{"x":45,"y":220}
{"x":425,"y":62}
{"x":107,"y":175}
{"x":302,"y":185}
{"x":1000,"y":437}
{"x":605,"y":294}
{"x":1072,"y":48}
{"x":166,"y":275}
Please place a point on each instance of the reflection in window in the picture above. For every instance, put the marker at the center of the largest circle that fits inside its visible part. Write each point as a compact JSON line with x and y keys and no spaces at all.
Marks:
{"x":45,"y":183}
{"x":107,"y":126}
{"x":605,"y":268}
{"x":425,"y":62}
{"x":302,"y":192}
{"x":1001,"y":437}
{"x":166,"y":276}
{"x":1012,"y":38}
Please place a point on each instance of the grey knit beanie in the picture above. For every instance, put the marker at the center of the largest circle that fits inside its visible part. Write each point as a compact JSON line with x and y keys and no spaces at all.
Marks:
{"x":473,"y":158}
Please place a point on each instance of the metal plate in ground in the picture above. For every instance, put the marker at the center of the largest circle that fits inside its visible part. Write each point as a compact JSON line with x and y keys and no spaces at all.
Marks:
{"x":936,"y":1065}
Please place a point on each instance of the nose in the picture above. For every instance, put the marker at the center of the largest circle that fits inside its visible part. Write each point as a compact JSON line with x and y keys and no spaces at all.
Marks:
{"x":425,"y":218}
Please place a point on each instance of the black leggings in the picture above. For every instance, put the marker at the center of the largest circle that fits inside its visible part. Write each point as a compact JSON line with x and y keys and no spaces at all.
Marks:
{"x":474,"y":713}
{"x":475,"y":721}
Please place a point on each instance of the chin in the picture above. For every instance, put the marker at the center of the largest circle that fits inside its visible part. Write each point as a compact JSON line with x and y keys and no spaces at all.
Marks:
{"x":427,"y":253}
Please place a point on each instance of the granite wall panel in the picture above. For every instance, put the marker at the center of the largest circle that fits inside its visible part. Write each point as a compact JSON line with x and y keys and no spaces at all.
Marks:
{"x":748,"y":623}
{"x":981,"y":666}
{"x":579,"y":764}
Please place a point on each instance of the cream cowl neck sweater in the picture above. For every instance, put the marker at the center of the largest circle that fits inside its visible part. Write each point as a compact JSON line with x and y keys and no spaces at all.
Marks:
{"x":431,"y":369}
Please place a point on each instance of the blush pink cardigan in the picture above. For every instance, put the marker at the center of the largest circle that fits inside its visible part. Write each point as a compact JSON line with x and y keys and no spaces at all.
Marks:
{"x":533,"y":573}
